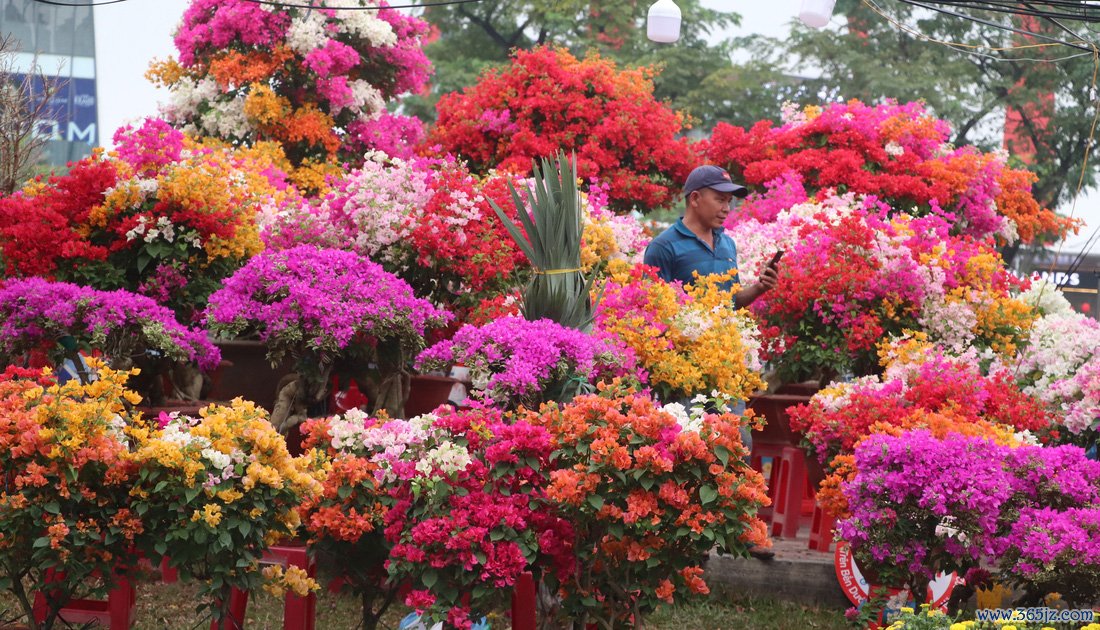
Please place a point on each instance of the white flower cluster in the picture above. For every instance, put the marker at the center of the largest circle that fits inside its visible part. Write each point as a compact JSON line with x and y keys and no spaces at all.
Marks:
{"x":1045,"y":296}
{"x":448,"y":458}
{"x":894,"y":149}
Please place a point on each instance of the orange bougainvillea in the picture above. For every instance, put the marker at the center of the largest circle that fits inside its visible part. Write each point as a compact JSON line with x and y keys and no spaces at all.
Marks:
{"x":649,"y":491}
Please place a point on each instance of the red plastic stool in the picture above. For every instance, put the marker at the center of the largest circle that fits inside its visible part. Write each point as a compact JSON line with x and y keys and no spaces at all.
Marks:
{"x":760,"y":452}
{"x":821,"y":531}
{"x":790,"y":486}
{"x":299,"y":613}
{"x":116,"y":613}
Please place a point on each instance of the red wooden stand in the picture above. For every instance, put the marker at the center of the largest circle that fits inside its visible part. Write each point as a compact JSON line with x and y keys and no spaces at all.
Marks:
{"x":299,"y":613}
{"x":116,"y":613}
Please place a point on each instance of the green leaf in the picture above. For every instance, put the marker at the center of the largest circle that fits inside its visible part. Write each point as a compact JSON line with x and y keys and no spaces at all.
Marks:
{"x":596,"y":501}
{"x":723,"y":454}
{"x":428,"y":578}
{"x":52,"y":507}
{"x":707,"y":494}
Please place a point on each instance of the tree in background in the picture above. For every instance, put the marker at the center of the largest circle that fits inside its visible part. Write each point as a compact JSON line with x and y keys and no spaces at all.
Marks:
{"x":547,"y":100}
{"x":971,"y":86}
{"x":474,"y":36}
{"x":24,"y":100}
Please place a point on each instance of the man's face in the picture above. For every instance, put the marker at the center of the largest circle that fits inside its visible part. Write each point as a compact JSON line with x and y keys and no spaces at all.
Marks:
{"x":710,"y":206}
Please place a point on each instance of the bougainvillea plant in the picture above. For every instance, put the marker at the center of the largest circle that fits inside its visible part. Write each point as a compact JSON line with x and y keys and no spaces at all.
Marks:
{"x":515,"y":362}
{"x":898,"y":153}
{"x":161,"y":216}
{"x":313,"y":79}
{"x":214,"y":492}
{"x":62,"y":319}
{"x":689,"y":340}
{"x":65,"y":507}
{"x":318,"y":307}
{"x":546,"y":100}
{"x":649,"y":491}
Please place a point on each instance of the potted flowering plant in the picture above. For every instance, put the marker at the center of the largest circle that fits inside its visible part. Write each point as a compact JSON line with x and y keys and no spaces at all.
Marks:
{"x":649,"y":491}
{"x":516,"y":362}
{"x":62,"y":319}
{"x":214,"y":492}
{"x":313,"y":79}
{"x":344,"y":522}
{"x":689,"y":340}
{"x":608,"y":116}
{"x":66,"y":512}
{"x":920,"y":505}
{"x":318,"y":307}
{"x":458,"y":497}
{"x":1049,"y":525}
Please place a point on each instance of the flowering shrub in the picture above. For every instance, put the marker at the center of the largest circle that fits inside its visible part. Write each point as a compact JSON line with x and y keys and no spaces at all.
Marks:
{"x":315,"y":79}
{"x":460,"y":495}
{"x":856,"y":271}
{"x":319,"y":305}
{"x":689,"y":340}
{"x":344,"y":521}
{"x":922,"y":389}
{"x":214,"y":492}
{"x":920,"y":505}
{"x":65,"y":505}
{"x":649,"y":491}
{"x":547,"y":100}
{"x":896,"y":152}
{"x":36,"y":314}
{"x":428,"y":222}
{"x":165,"y":218}
{"x":516,"y":362}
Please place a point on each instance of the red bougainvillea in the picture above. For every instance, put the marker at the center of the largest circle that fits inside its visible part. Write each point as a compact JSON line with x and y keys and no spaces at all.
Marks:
{"x":547,"y":100}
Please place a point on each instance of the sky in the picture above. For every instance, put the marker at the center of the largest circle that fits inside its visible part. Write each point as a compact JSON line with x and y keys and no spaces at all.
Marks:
{"x":131,"y":34}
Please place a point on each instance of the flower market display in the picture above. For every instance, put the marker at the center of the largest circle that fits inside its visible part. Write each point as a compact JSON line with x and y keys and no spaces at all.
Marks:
{"x":283,"y":202}
{"x":315,"y":80}
{"x":161,"y":216}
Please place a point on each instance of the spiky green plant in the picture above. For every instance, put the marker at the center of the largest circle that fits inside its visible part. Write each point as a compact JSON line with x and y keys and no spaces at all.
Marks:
{"x":551,"y":240}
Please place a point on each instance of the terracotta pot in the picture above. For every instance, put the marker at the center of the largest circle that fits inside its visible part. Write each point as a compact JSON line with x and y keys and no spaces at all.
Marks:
{"x":426,"y":392}
{"x":246,"y":372}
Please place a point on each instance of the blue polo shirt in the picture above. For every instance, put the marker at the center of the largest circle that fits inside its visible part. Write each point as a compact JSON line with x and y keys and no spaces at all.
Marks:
{"x":677,"y":252}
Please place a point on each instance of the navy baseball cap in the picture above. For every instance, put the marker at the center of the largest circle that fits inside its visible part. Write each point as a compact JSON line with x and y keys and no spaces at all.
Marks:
{"x":710,"y":176}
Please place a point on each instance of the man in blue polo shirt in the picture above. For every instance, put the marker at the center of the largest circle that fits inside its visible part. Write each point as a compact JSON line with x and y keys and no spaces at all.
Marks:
{"x":698,"y":242}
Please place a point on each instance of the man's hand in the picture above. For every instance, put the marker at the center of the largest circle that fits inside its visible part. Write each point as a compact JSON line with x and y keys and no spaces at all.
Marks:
{"x":767,"y":282}
{"x":768,"y":279}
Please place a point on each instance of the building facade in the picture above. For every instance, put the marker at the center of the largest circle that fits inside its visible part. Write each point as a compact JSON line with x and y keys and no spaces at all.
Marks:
{"x":59,"y":42}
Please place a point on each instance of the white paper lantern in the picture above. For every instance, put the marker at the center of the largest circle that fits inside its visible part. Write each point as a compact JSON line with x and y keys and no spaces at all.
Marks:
{"x":663,"y":22}
{"x":816,"y":13}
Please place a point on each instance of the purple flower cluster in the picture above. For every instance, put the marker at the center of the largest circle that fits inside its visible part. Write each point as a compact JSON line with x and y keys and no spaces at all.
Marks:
{"x":909,"y":486}
{"x":919,"y":505}
{"x":322,"y":300}
{"x":515,"y":360}
{"x":35,"y":313}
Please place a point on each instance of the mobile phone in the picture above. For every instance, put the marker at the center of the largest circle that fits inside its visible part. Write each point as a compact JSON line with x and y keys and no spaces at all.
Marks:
{"x":775,"y":259}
